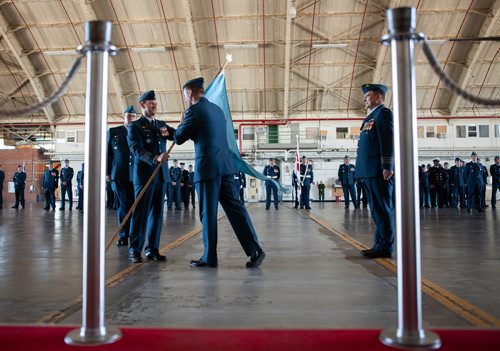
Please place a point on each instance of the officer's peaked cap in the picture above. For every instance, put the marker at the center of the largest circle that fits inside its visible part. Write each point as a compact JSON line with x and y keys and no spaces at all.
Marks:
{"x":497,"y":157}
{"x":346,"y":156}
{"x":271,"y":159}
{"x":198,"y":82}
{"x":371,"y":86}
{"x":457,"y":159}
{"x":131,"y":109}
{"x":66,"y":160}
{"x":182,"y":164}
{"x":436,"y":159}
{"x":175,"y":160}
{"x":148,"y":95}
{"x":473,"y":153}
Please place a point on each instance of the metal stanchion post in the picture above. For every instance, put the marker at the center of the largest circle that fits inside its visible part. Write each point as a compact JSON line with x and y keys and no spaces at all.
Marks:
{"x":409,"y":333}
{"x":94,"y":330}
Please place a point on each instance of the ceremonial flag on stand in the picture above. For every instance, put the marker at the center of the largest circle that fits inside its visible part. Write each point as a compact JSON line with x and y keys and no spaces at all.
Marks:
{"x":217,"y":94}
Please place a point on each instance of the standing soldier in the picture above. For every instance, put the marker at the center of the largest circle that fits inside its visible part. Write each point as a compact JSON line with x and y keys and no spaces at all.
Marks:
{"x":457,"y":182}
{"x":446,"y":189}
{"x":375,"y":165}
{"x":346,"y":179}
{"x":119,"y":171}
{"x":437,"y":176}
{"x":190,"y":185}
{"x":184,"y":186}
{"x":306,"y":179}
{"x":49,"y":185}
{"x":175,"y":186}
{"x":271,"y":171}
{"x":67,"y":174}
{"x":495,"y":181}
{"x":321,"y":191}
{"x":241,"y":183}
{"x":19,"y":180}
{"x":485,"y":179}
{"x":79,"y":185}
{"x":474,"y":179}
{"x":147,"y":139}
{"x":2,"y":179}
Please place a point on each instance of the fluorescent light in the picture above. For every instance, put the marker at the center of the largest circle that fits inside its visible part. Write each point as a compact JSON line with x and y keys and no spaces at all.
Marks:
{"x":241,"y":46}
{"x":438,"y":41}
{"x":329,"y":46}
{"x":61,"y":53}
{"x":149,"y":49}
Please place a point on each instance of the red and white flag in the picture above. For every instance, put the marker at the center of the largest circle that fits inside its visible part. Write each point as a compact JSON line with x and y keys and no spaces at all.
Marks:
{"x":297,"y":160}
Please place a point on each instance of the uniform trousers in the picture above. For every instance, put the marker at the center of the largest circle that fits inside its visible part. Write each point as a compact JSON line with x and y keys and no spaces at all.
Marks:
{"x":457,"y":191}
{"x":175,"y":195}
{"x":349,"y":189}
{"x":379,"y":193}
{"x":19,"y":196}
{"x":50,"y":198}
{"x":304,"y":196}
{"x":270,"y":187}
{"x":224,"y":189}
{"x":124,"y":192}
{"x":494,"y":188}
{"x":66,"y":189}
{"x":437,"y":195}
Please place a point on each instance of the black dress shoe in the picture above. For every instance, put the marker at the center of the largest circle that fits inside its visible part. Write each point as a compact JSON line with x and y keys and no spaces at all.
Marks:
{"x":308,"y":208}
{"x":480,"y":210}
{"x":364,"y":252}
{"x":468,"y":210}
{"x":61,"y":208}
{"x":378,"y":254}
{"x":70,"y":208}
{"x":256,"y":259}
{"x":267,"y":208}
{"x":15,"y":206}
{"x":200,"y":263}
{"x":122,"y":242}
{"x":135,"y":258}
{"x":156,"y":257}
{"x":46,"y":208}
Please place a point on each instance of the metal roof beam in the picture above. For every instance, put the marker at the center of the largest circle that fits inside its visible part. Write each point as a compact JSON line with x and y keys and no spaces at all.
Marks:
{"x":288,"y":53}
{"x":192,"y":37}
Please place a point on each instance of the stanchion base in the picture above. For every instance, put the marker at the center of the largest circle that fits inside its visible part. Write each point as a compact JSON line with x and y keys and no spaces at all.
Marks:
{"x":429,"y":340}
{"x":82,"y":336}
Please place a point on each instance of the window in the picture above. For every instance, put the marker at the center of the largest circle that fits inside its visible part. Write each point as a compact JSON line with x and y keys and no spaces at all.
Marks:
{"x":272,"y":134}
{"x":497,"y":130}
{"x":484,"y":131}
{"x":236,"y":133}
{"x":420,"y":132}
{"x":430,"y":132}
{"x":248,"y":133}
{"x":323,"y":134}
{"x":461,"y":132}
{"x":80,"y":136}
{"x":441,"y":132}
{"x":355,"y":133}
{"x":342,"y":133}
{"x":472,"y":131}
{"x":70,"y":137}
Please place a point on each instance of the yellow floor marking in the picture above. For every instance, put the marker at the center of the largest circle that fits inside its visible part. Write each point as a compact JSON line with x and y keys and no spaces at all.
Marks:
{"x":464,"y":309}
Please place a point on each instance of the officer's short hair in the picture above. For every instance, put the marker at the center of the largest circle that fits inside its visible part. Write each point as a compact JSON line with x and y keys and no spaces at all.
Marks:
{"x":496,"y":158}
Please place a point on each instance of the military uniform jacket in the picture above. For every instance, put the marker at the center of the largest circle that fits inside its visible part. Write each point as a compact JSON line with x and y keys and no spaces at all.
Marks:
{"x":495,"y":173}
{"x":437,"y":175}
{"x":205,"y":124}
{"x":2,"y":178}
{"x":80,"y":178}
{"x":272,"y":172}
{"x":67,"y":175}
{"x":146,"y":141}
{"x":19,"y":179}
{"x":190,"y":178}
{"x":120,"y":160}
{"x":474,"y":173}
{"x":185,"y":177}
{"x":346,"y":174}
{"x":321,"y":189}
{"x":376,"y":144}
{"x":306,"y":174}
{"x":457,"y":176}
{"x":175,"y":174}
{"x":50,"y":178}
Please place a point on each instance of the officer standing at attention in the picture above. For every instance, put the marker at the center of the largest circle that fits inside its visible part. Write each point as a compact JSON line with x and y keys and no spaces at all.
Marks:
{"x":205,"y":124}
{"x":375,"y":165}
{"x":67,"y":174}
{"x":240,"y":180}
{"x":79,"y":186}
{"x":271,"y":171}
{"x":483,"y":191}
{"x":175,"y":186}
{"x":184,"y":188}
{"x":446,"y":191}
{"x":346,"y":179}
{"x":437,"y":177}
{"x":190,"y":186}
{"x":306,"y":179}
{"x":19,"y":180}
{"x":457,"y":182}
{"x":321,"y":191}
{"x":119,"y":171}
{"x":495,"y":181}
{"x":147,"y":139}
{"x":473,"y":174}
{"x":295,"y":185}
{"x":2,"y":179}
{"x":49,"y":185}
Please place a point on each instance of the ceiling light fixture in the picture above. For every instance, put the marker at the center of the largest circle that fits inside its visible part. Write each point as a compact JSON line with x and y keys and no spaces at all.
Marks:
{"x":60,"y":53}
{"x":329,"y":46}
{"x":149,"y":49}
{"x":241,"y":46}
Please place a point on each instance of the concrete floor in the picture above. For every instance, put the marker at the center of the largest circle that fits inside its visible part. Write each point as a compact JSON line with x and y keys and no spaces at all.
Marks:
{"x":310,"y":278}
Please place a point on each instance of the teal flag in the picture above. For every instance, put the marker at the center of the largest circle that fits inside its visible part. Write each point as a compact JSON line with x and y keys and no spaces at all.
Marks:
{"x":216,"y":93}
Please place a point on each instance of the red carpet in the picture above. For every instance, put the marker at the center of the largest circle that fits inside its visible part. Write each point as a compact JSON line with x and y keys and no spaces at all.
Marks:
{"x":21,"y":338}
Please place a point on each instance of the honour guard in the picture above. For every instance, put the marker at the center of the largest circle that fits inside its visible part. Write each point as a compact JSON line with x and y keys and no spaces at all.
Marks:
{"x":495,"y":181}
{"x":306,"y":179}
{"x":457,"y":184}
{"x":119,"y":171}
{"x":191,"y":191}
{"x":346,"y":178}
{"x":66,"y":177}
{"x":295,"y":185}
{"x":375,"y":165}
{"x":19,"y":180}
{"x":437,"y":178}
{"x":147,"y":139}
{"x":473,"y":174}
{"x":271,"y":171}
{"x":205,"y":124}
{"x":241,"y":182}
{"x":49,"y":185}
{"x":175,"y":186}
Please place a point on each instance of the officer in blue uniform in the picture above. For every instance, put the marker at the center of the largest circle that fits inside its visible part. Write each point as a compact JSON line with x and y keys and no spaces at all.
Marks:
{"x":49,"y":185}
{"x":80,"y":181}
{"x":473,"y":174}
{"x":241,"y":182}
{"x":66,"y":177}
{"x":205,"y":124}
{"x":2,"y":179}
{"x":425,"y":197}
{"x":446,"y":189}
{"x":375,"y":165}
{"x":495,"y":181}
{"x":306,"y":179}
{"x":437,"y":178}
{"x":147,"y":139}
{"x":485,"y":182}
{"x":271,"y":171}
{"x":119,"y":171}
{"x":346,"y":178}
{"x":457,"y":183}
{"x":175,"y":186}
{"x":190,"y":186}
{"x":295,"y":185}
{"x":19,"y":180}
